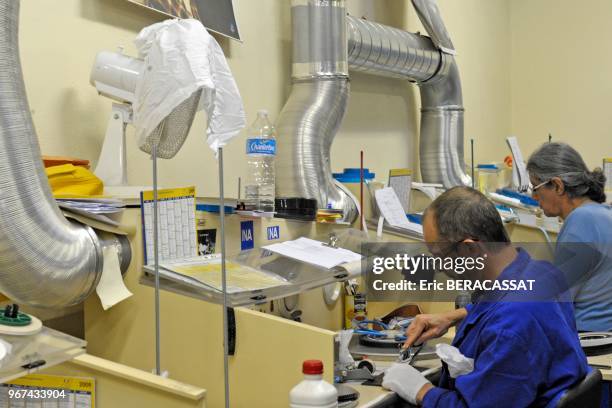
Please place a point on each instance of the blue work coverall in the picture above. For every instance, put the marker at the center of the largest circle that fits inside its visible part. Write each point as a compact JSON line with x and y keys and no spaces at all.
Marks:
{"x":526,"y":353}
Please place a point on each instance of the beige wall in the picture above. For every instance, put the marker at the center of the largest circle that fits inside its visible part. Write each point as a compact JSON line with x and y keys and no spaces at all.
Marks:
{"x":59,"y":40}
{"x":561,"y":74}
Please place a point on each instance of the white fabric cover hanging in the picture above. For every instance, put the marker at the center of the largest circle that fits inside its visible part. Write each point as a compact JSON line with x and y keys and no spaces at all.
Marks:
{"x":180,"y":59}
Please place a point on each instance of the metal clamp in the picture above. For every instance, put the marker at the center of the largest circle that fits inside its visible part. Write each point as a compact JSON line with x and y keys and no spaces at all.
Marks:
{"x":332,"y":242}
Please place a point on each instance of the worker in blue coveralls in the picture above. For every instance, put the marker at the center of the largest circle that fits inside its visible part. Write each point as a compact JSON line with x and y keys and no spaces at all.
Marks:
{"x":524,"y":345}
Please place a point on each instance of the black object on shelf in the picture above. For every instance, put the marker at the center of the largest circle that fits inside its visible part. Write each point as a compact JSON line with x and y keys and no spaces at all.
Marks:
{"x":231,"y":329}
{"x":12,"y":317}
{"x":34,"y":364}
{"x":296,"y":208}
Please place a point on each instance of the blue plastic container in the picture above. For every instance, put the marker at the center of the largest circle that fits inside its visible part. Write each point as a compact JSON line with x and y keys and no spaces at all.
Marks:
{"x":353,"y":175}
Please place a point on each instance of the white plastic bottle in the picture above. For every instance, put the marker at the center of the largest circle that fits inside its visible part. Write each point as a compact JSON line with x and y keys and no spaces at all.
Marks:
{"x":313,"y":391}
{"x":261,"y":151}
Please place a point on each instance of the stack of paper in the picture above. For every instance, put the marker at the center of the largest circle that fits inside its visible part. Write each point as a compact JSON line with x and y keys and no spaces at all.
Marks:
{"x":99,"y":209}
{"x":313,"y":252}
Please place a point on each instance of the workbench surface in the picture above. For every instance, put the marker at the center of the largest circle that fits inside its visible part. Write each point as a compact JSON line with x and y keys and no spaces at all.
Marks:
{"x":370,"y":397}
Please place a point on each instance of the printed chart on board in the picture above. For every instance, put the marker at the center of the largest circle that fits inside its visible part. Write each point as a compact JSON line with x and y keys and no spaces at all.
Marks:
{"x":177,"y":225}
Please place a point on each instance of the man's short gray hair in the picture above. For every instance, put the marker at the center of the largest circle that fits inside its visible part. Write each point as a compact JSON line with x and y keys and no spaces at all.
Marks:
{"x":563,"y":161}
{"x":464,"y":213}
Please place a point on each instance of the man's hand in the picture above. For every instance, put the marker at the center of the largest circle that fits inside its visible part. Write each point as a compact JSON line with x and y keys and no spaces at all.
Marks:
{"x":407,"y":382}
{"x":429,"y":326}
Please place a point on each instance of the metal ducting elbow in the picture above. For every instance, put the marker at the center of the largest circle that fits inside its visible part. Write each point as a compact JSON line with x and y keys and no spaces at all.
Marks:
{"x":326,"y":42}
{"x":441,"y":138}
{"x":45,"y":260}
{"x":314,"y":111}
{"x":429,"y":62}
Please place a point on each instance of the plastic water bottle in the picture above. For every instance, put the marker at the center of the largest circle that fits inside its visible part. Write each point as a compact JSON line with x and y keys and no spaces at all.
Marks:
{"x":313,"y":391}
{"x":261,"y":151}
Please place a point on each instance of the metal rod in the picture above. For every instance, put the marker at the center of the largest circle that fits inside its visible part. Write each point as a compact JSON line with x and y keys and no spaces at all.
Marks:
{"x":223,"y":280}
{"x":156,"y":257}
{"x":472,"y":153}
{"x":361,"y":190}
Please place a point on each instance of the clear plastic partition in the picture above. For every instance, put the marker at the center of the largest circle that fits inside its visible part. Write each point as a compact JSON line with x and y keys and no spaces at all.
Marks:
{"x":38,"y":351}
{"x":291,"y":276}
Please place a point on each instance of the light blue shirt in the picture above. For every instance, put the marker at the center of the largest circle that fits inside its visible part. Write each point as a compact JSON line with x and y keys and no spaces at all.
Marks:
{"x":584,"y":254}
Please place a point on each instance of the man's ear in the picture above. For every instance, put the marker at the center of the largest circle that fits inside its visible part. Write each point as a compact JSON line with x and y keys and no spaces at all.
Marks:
{"x":470,"y":247}
{"x":558,"y":185}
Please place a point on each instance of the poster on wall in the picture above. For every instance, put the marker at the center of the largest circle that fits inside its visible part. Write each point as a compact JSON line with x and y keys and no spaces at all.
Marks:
{"x":207,"y":239}
{"x":216,"y":15}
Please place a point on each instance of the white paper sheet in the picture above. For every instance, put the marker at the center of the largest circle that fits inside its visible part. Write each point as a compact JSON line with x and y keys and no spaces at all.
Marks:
{"x":518,"y":164}
{"x":428,"y":189}
{"x":607,"y":168}
{"x":313,"y":252}
{"x":111,"y":289}
{"x":391,"y":208}
{"x":400,"y":180}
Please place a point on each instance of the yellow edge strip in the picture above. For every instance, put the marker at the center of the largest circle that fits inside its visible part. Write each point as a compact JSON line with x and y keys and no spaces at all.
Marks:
{"x":169,"y":193}
{"x":400,"y":172}
{"x":139,"y":376}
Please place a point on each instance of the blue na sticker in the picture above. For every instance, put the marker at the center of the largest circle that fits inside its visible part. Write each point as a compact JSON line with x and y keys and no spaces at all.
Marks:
{"x":247,"y":240}
{"x":273,"y":233}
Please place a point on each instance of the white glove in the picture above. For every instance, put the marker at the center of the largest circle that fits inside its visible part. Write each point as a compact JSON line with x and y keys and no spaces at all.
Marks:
{"x":457,"y":363}
{"x":404,"y":380}
{"x":345,"y":358}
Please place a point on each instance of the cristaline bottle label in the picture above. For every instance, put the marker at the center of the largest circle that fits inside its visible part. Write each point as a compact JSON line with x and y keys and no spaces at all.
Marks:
{"x":261,"y":146}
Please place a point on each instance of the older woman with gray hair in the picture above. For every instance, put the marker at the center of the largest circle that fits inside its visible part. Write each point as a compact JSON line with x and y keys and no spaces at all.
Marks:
{"x":566,"y":188}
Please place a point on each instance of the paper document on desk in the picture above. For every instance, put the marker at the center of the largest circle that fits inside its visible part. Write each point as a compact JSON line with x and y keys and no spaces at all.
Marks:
{"x":518,"y":169}
{"x":314,"y":252}
{"x":207,"y":270}
{"x":393,"y":212}
{"x":429,"y":189}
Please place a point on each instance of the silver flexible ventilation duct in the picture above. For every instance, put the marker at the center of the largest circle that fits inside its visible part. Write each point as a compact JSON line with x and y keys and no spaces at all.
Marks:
{"x":381,"y":50}
{"x":44,"y":259}
{"x":309,"y":121}
{"x":441,"y":140}
{"x":312,"y":115}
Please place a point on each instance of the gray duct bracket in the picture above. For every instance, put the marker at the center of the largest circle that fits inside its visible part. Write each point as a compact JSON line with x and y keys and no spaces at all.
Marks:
{"x":430,"y":17}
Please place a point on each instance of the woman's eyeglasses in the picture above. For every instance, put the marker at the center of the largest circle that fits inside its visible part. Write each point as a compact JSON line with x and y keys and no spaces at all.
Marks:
{"x":533,"y":188}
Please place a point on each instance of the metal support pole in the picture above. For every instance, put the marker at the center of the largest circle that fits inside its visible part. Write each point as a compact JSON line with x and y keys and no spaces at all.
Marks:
{"x":156,"y":257}
{"x":361,"y":219}
{"x":223,"y":279}
{"x":472,"y":154}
